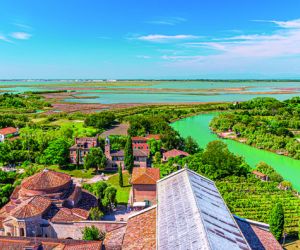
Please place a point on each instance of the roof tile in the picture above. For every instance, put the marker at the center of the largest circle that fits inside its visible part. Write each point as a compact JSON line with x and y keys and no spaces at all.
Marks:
{"x":144,"y":175}
{"x":141,"y":231}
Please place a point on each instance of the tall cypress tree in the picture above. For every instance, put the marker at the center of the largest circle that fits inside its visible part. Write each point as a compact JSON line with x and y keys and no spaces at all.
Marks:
{"x":129,"y":160}
{"x":120,"y":176}
{"x":277,"y":221}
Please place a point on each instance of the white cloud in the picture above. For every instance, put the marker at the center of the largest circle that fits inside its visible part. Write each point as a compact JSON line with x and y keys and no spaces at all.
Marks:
{"x":4,"y":38}
{"x":165,"y":38}
{"x":182,"y":58}
{"x":20,"y":35}
{"x":275,"y":52}
{"x":293,"y":24}
{"x":143,"y":56}
{"x":23,"y":26}
{"x":168,"y":21}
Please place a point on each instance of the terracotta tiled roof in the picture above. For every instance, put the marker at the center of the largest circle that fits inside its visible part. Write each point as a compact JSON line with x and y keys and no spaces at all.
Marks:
{"x":76,"y":192}
{"x":258,"y":235}
{"x":138,"y":138}
{"x":145,"y":138}
{"x":141,"y":231}
{"x":136,"y":152}
{"x":20,"y":243}
{"x":87,"y":200}
{"x":46,"y":179}
{"x":156,"y":137}
{"x":143,"y":175}
{"x":140,"y":153}
{"x":70,"y":215}
{"x":8,"y":131}
{"x":114,"y":238}
{"x":257,"y":173}
{"x":174,"y":153}
{"x":15,"y":193}
{"x":141,"y":145}
{"x":117,"y":153}
{"x":31,"y":207}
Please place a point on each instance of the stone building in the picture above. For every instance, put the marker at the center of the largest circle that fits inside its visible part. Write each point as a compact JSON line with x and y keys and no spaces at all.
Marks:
{"x":81,"y":148}
{"x":41,"y":202}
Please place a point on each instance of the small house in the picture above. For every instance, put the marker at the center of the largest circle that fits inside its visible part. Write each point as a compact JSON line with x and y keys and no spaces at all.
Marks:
{"x":143,"y":182}
{"x":173,"y":153}
{"x":8,"y":133}
{"x":260,"y":175}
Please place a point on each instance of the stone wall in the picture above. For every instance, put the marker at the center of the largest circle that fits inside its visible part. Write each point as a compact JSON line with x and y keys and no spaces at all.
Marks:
{"x":74,"y":230}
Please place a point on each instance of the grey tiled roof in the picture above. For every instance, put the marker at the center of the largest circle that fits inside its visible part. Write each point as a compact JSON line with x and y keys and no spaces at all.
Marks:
{"x":191,"y":214}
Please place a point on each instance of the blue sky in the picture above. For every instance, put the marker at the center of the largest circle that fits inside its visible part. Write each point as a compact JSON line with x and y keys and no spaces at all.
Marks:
{"x":149,"y":39}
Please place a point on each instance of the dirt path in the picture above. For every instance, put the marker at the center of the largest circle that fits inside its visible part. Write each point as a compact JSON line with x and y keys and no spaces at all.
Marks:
{"x":120,"y":129}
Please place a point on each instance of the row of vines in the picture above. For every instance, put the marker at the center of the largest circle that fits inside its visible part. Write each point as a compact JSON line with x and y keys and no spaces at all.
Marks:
{"x":251,"y":198}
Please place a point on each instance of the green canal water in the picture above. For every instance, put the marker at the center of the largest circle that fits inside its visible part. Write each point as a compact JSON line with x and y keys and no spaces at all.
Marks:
{"x":198,"y":128}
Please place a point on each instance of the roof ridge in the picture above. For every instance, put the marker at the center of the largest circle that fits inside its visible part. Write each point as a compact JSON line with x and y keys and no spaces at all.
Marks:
{"x":199,"y":212}
{"x":142,"y":211}
{"x":255,"y":223}
{"x":171,"y":175}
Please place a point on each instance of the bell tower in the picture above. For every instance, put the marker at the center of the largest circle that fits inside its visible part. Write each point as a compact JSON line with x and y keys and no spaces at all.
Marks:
{"x":107,"y":148}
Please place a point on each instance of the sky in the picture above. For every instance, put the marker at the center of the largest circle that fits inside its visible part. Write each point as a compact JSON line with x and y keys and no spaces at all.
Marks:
{"x":157,"y":39}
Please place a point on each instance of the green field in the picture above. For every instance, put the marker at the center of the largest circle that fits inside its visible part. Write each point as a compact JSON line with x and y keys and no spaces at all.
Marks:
{"x":77,"y":173}
{"x":122,"y":192}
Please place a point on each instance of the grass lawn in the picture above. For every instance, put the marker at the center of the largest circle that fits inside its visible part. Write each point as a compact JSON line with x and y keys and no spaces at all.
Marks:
{"x":123,"y":192}
{"x":77,"y":126}
{"x":78,"y":173}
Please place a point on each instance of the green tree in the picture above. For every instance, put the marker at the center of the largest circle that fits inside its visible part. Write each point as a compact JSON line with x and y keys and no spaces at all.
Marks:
{"x":57,"y":152}
{"x":299,"y":229}
{"x":219,"y":162}
{"x":129,"y":159}
{"x":268,"y":170}
{"x":109,"y":200}
{"x":99,"y":188}
{"x":95,"y":159}
{"x":154,"y":145}
{"x":93,"y":233}
{"x":120,"y":176}
{"x":191,"y":146}
{"x":157,"y":157}
{"x":276,"y":221}
{"x":96,"y":213}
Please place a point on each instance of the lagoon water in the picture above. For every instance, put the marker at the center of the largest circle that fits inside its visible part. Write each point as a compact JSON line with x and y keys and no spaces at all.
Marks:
{"x":160,"y":91}
{"x":198,"y":128}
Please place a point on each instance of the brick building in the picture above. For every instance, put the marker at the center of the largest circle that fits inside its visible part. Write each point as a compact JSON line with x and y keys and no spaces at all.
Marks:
{"x":141,"y":142}
{"x":31,"y":243}
{"x":81,"y":148}
{"x":116,"y":158}
{"x":41,"y":203}
{"x":143,"y":182}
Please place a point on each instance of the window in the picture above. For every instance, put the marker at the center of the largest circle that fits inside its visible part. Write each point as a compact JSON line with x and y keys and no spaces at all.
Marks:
{"x":22,"y":233}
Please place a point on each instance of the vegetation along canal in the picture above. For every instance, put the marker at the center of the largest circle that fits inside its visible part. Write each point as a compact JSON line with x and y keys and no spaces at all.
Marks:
{"x":198,"y":128}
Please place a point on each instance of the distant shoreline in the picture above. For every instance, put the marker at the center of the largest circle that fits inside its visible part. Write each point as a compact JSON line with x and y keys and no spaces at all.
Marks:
{"x":149,"y":80}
